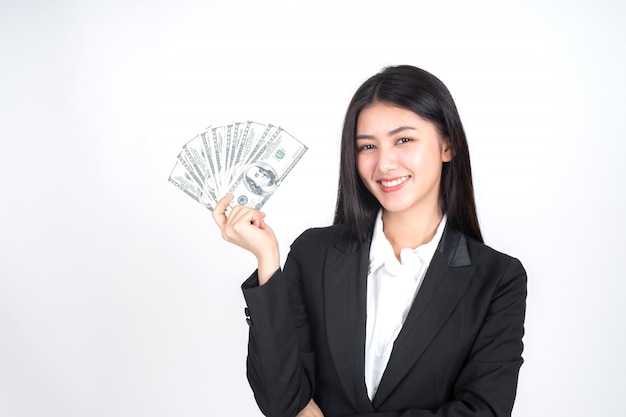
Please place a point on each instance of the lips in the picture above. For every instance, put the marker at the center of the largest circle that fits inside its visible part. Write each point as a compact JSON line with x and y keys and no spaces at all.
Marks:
{"x":393,"y":183}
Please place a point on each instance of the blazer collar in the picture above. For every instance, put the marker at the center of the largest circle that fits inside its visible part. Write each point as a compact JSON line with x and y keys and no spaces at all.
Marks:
{"x":345,"y":286}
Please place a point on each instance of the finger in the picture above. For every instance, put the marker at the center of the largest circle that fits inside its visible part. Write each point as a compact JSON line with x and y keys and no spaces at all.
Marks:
{"x":219,"y":212}
{"x":236,"y":214}
{"x":249,"y":216}
{"x":260,"y":221}
{"x":241,"y":226}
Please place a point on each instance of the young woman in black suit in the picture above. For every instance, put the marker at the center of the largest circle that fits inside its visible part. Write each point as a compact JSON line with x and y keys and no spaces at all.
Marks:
{"x":398,"y":309}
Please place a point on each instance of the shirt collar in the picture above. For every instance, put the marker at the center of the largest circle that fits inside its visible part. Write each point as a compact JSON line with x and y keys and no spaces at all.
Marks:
{"x":381,"y":251}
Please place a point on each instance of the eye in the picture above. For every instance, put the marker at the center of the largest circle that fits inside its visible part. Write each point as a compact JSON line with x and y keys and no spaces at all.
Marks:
{"x":404,"y":140}
{"x":365,"y":147}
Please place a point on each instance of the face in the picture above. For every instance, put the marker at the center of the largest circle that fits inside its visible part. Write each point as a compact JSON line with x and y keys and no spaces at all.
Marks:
{"x":399,"y":157}
{"x":259,"y":176}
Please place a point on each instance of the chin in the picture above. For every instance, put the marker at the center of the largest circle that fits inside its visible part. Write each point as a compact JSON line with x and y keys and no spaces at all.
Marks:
{"x":395,"y":208}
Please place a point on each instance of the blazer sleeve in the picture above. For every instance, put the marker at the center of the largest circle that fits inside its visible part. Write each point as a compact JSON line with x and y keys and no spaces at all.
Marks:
{"x":280,"y":362}
{"x":486,"y":385}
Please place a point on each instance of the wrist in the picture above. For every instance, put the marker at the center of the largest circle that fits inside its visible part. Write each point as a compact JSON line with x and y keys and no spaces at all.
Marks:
{"x":269,"y":262}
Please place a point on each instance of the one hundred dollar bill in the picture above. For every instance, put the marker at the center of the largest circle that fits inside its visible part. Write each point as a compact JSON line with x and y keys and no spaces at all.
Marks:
{"x":261,"y":176}
{"x":182,"y":179}
{"x":246,"y":158}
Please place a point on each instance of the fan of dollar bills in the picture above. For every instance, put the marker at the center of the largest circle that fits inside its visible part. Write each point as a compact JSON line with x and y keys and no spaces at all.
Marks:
{"x":248,"y":159}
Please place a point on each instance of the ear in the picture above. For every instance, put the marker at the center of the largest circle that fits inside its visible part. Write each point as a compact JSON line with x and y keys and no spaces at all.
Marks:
{"x":446,"y":152}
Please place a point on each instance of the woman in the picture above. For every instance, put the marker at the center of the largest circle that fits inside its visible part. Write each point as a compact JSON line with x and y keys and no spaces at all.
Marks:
{"x":398,"y":309}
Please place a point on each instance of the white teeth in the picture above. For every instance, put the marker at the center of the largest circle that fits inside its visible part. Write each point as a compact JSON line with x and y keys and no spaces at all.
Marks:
{"x":394,"y":182}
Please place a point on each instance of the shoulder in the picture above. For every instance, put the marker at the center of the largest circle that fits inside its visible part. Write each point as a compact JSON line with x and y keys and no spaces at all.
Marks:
{"x":461,"y":250}
{"x":317,"y":237}
{"x":481,"y":250}
{"x":500,"y":266}
{"x":320,"y":239}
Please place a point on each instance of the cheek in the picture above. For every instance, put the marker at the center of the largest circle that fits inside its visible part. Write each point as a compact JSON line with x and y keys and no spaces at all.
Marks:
{"x":364,"y":166}
{"x":421,"y":161}
{"x":411,"y":160}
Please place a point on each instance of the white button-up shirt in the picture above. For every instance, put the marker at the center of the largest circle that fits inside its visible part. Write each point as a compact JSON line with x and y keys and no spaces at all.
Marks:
{"x":391,"y":289}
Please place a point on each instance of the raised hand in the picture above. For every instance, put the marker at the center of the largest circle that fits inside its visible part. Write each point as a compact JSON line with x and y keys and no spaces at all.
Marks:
{"x":247,"y":229}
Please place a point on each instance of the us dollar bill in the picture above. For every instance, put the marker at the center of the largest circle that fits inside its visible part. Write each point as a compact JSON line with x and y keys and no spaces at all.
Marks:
{"x":183,"y":179}
{"x":260,"y":176}
{"x":248,"y":159}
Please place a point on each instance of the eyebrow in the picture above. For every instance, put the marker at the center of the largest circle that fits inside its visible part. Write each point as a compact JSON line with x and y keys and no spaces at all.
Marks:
{"x":390,"y":133}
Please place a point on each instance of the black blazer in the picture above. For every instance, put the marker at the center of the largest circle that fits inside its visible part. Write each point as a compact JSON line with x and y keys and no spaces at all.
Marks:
{"x":458,"y":353}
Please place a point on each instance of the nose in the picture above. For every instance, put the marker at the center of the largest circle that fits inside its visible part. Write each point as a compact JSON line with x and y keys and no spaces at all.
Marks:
{"x":387,"y":159}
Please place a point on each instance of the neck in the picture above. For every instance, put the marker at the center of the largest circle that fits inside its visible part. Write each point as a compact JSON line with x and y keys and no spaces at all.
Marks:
{"x":410,"y":229}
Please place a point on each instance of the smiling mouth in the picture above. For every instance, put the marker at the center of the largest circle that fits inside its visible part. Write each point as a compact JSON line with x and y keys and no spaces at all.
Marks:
{"x":395,"y":182}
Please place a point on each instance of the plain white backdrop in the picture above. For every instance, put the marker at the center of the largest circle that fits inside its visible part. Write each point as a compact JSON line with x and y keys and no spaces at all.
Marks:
{"x":117,"y":296}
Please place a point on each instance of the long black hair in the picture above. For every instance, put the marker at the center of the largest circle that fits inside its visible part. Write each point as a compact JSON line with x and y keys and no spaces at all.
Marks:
{"x":421,"y":92}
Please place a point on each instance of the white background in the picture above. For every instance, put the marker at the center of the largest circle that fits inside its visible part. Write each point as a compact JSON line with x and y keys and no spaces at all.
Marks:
{"x":117,"y":295}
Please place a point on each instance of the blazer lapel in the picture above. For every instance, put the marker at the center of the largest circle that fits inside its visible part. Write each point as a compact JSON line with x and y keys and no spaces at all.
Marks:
{"x":345,"y":286}
{"x":443,"y":286}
